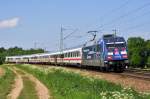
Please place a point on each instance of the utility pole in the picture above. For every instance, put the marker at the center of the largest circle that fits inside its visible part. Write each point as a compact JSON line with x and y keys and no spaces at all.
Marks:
{"x":115,"y":32}
{"x":35,"y":44}
{"x":61,"y":39}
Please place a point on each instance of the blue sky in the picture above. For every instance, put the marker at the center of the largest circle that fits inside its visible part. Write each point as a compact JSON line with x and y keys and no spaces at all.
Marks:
{"x":26,"y":22}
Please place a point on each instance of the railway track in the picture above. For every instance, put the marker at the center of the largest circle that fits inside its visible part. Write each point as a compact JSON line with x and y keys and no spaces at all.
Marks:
{"x":132,"y":73}
{"x":137,"y":73}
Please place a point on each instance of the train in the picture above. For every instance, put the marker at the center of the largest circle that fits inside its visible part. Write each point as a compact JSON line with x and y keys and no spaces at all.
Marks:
{"x":108,"y":54}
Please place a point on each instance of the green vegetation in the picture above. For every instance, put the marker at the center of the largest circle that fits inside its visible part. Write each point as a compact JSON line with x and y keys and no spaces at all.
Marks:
{"x":16,"y":51}
{"x":28,"y":91}
{"x":139,"y":52}
{"x":68,"y":85}
{"x":6,"y":82}
{"x":148,"y":61}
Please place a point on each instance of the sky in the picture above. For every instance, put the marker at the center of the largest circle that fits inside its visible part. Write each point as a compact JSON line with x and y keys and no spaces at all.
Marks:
{"x":37,"y":23}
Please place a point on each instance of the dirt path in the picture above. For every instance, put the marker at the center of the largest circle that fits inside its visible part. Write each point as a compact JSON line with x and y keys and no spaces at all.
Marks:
{"x":17,"y":86}
{"x":41,"y":89}
{"x":2,"y":71}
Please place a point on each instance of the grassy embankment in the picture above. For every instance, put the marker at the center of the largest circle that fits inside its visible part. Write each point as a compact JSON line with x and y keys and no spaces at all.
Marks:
{"x":6,"y":82}
{"x":68,"y":85}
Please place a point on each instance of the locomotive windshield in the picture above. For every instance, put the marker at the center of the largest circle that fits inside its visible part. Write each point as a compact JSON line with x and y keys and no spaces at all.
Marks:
{"x":121,"y":45}
{"x":114,"y":42}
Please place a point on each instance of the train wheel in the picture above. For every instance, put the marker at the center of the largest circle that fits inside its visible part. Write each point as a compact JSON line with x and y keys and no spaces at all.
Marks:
{"x":106,"y":68}
{"x":118,"y":69}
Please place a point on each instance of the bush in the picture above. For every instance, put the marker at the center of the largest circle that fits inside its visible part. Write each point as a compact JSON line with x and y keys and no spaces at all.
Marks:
{"x":2,"y":59}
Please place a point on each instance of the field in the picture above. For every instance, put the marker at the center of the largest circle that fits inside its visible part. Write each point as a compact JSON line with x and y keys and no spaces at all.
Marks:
{"x":61,"y":84}
{"x":69,"y":85}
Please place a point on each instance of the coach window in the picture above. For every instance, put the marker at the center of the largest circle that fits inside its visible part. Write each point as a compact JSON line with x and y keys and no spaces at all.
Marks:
{"x":94,"y":49}
{"x":64,"y":54}
{"x":70,"y":54}
{"x":73,"y":54}
{"x":79,"y":54}
{"x":76,"y":54}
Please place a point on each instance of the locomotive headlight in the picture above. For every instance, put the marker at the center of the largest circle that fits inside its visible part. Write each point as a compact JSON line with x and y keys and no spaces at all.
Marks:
{"x":110,"y":53}
{"x":109,"y":57}
{"x":123,"y":52}
{"x":125,"y":56}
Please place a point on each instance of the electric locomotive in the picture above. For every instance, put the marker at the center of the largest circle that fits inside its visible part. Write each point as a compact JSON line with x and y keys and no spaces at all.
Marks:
{"x":114,"y":52}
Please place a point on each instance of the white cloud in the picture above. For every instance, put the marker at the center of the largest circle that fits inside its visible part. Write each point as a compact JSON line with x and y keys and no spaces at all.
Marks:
{"x":9,"y":23}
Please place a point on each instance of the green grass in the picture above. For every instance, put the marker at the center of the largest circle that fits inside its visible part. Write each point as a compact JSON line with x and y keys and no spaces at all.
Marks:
{"x":28,"y":91}
{"x":6,"y":82}
{"x":67,"y":85}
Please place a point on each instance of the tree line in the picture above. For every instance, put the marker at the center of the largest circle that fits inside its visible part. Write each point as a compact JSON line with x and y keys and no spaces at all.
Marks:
{"x":139,"y":52}
{"x":14,"y":51}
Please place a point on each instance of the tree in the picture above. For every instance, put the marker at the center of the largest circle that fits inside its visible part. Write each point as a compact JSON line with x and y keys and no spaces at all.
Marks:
{"x":136,"y":51}
{"x":148,"y":52}
{"x":136,"y":60}
{"x":148,"y":61}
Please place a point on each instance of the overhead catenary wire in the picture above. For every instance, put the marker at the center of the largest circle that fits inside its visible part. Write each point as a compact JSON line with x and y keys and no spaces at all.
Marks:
{"x":136,"y":26}
{"x":131,"y":20}
{"x":137,"y":17}
{"x":116,"y":9}
{"x":126,"y":14}
{"x":70,"y":34}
